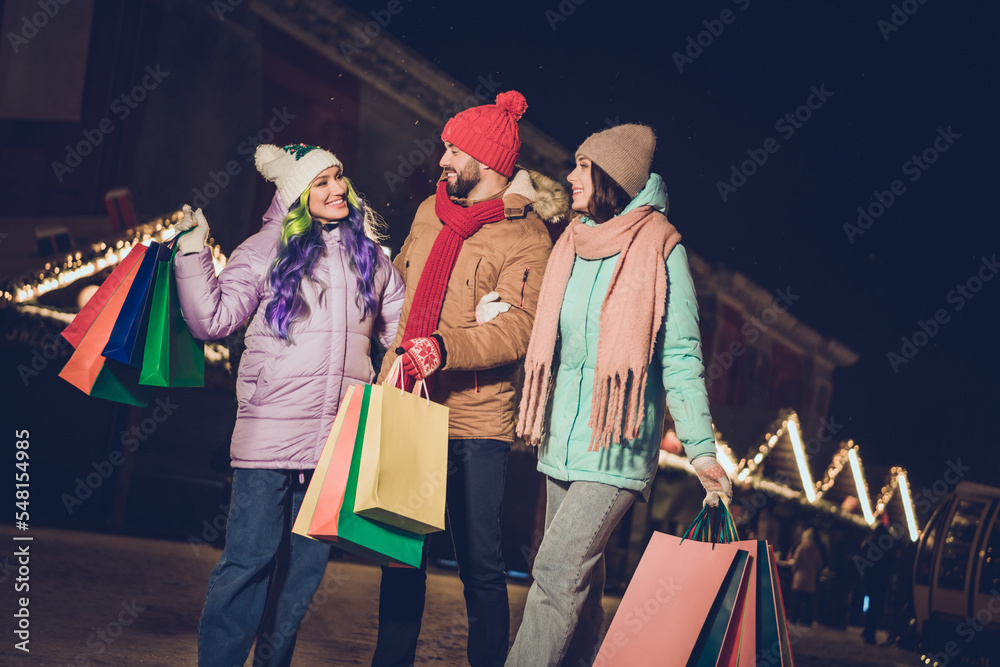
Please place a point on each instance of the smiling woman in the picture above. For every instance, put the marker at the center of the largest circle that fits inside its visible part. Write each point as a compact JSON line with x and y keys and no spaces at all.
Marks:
{"x":610,"y":349}
{"x":328,"y":195}
{"x":316,"y":289}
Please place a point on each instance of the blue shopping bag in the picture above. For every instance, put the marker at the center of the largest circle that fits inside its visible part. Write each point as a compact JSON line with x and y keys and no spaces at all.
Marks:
{"x":128,"y":337}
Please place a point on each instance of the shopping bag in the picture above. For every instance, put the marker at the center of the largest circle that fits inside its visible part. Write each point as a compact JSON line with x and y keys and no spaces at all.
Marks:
{"x":720,"y":641}
{"x":171,"y":357}
{"x":773,"y":648}
{"x":86,"y":362}
{"x":128,"y":338}
{"x":761,"y":636}
{"x":321,"y":504}
{"x":680,"y":607}
{"x":85,"y":318}
{"x":378,"y":542}
{"x":119,"y":382}
{"x":404,"y":457}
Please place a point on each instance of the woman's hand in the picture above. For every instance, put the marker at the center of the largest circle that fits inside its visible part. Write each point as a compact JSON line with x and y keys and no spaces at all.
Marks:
{"x":195,"y":240}
{"x":713,"y":477}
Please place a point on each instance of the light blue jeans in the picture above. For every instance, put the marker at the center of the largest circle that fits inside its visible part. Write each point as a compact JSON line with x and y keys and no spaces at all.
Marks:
{"x":563,"y":615}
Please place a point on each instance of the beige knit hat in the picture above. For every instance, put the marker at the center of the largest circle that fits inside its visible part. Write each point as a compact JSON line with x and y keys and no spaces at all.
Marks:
{"x":293,"y":167}
{"x":624,"y":152}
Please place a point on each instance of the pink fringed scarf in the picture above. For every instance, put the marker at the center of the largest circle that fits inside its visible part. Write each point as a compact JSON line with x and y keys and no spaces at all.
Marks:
{"x":631,"y":315}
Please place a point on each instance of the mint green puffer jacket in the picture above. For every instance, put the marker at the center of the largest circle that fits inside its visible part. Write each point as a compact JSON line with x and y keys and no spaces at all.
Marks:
{"x":676,"y":375}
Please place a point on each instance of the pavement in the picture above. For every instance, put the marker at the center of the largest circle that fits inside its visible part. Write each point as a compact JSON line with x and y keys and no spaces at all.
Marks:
{"x":99,"y":599}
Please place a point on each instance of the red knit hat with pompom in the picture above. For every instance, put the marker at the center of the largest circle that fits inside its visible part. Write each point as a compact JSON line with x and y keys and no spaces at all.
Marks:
{"x":489,"y":132}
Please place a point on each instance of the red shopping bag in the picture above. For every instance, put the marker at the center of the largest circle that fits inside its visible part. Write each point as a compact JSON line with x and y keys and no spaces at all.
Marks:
{"x":85,"y":318}
{"x":87,"y":361}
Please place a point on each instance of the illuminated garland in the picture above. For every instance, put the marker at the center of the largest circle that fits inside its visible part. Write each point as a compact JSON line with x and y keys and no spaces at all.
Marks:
{"x":724,"y":454}
{"x":748,"y":467}
{"x":100,"y":256}
{"x":747,"y":472}
{"x":216,"y":354}
{"x":898,"y":480}
{"x":849,"y":454}
{"x":836,"y":465}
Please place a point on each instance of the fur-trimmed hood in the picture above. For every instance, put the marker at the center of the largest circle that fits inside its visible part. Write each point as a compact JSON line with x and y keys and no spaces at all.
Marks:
{"x":548,"y":199}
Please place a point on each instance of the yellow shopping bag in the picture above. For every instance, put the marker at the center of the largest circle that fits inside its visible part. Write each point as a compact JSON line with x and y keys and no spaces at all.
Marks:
{"x":404,"y":461}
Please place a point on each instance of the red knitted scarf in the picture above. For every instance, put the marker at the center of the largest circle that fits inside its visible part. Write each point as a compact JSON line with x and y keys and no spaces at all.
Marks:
{"x":459,"y":224}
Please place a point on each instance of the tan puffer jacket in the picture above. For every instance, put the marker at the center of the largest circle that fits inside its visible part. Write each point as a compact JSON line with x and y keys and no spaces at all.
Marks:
{"x":482,"y":363}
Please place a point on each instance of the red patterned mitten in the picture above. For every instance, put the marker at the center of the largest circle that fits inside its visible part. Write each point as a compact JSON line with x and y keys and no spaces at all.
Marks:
{"x":421,"y":357}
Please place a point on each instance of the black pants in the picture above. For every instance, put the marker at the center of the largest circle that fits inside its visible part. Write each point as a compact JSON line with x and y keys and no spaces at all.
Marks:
{"x":802,"y":607}
{"x":476,"y":471}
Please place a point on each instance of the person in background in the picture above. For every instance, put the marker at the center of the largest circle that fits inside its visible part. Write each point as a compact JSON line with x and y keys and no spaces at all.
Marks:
{"x":316,"y":288}
{"x":806,"y":563}
{"x":876,"y":578}
{"x":615,"y":341}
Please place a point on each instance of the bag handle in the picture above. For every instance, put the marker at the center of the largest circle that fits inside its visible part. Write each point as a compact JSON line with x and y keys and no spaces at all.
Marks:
{"x":713,"y":524}
{"x":395,"y":379}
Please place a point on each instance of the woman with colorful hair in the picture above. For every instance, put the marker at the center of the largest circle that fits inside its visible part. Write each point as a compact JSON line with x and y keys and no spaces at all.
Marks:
{"x":317,"y":289}
{"x":615,"y":341}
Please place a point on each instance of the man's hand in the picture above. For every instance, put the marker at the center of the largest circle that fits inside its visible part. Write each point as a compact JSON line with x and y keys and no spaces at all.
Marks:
{"x":195,"y":240}
{"x":489,"y":307}
{"x":713,"y":477}
{"x":421,"y":357}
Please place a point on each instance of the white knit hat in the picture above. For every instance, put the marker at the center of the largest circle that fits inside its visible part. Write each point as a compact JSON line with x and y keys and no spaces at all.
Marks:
{"x":293,"y":167}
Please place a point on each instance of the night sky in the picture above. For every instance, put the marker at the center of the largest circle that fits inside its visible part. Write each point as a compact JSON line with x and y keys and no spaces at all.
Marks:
{"x":892,"y":79}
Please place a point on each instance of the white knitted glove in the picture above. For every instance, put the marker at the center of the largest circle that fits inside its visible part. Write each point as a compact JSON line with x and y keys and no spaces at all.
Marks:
{"x":713,"y":477}
{"x":487,"y":310}
{"x":195,"y":240}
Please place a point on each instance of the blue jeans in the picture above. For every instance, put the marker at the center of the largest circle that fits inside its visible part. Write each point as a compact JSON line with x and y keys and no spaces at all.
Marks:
{"x":563,"y":615}
{"x":263,"y":566}
{"x":476,"y":469}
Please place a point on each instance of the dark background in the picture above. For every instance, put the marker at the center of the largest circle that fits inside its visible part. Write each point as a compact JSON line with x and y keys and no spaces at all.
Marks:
{"x":784,"y":227}
{"x":581,"y":67}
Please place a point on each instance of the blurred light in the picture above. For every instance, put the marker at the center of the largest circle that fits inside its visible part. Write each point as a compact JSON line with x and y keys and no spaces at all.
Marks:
{"x":859,"y":481}
{"x":727,"y":463}
{"x":85,"y":294}
{"x":911,"y":522}
{"x":800,"y":459}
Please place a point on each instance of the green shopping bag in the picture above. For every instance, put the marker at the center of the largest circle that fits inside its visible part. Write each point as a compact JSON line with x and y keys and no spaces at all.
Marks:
{"x":378,"y":542}
{"x":119,"y":382}
{"x":172,"y":357}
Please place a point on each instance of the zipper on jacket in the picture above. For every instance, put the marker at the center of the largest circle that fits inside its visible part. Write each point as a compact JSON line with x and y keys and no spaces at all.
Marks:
{"x":524,"y":283}
{"x":475,"y":378}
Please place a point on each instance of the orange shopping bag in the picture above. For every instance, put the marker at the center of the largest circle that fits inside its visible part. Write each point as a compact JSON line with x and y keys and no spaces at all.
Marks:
{"x":76,"y":330}
{"x":86,"y":363}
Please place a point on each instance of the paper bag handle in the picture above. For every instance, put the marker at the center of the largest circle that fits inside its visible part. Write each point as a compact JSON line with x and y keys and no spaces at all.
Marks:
{"x":395,"y":379}
{"x":713,"y":524}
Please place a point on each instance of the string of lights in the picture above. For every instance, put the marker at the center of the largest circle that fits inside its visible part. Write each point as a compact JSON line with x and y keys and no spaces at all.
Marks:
{"x":85,"y":263}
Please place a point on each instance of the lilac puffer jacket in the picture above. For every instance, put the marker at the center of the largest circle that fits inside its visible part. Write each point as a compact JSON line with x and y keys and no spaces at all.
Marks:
{"x":288,"y":392}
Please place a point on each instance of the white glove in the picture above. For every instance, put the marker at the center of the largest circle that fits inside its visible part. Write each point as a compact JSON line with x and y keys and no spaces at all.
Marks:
{"x":713,"y":477}
{"x":194,"y":241}
{"x":487,"y":310}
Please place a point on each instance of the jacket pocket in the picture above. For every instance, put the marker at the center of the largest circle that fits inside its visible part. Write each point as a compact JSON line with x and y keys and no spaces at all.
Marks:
{"x":472,"y":290}
{"x":264,"y":381}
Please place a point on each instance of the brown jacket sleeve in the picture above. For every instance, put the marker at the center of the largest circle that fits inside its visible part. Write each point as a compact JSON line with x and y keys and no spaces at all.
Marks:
{"x":504,"y":339}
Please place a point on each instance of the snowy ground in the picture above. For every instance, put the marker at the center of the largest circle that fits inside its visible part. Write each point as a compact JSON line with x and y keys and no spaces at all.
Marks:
{"x":109,"y":600}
